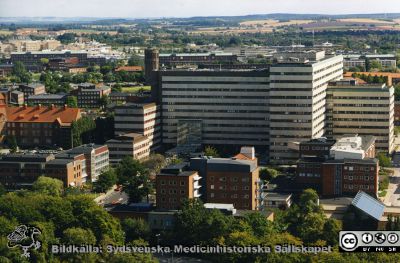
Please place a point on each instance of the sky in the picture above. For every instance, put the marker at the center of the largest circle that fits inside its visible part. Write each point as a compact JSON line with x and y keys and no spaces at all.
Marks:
{"x":188,"y":8}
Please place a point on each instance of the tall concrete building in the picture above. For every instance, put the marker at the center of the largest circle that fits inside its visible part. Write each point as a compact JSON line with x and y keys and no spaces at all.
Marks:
{"x":298,"y":84}
{"x":363,"y":110}
{"x":273,"y":109}
{"x":215,"y":107}
{"x":143,"y":118}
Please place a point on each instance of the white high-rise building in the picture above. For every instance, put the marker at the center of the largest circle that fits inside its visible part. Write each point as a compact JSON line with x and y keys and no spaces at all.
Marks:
{"x":298,"y":84}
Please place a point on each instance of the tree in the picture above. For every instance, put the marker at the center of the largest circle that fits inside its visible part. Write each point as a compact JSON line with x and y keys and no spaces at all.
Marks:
{"x":77,"y":236}
{"x":136,"y":229}
{"x":72,"y":102}
{"x":12,"y":143}
{"x":134,"y":178}
{"x":21,"y":73}
{"x":211,"y":151}
{"x":67,"y":38}
{"x":155,"y":163}
{"x":48,"y":186}
{"x":3,"y":190}
{"x":268,"y":173}
{"x":105,"y":181}
{"x":104,"y":101}
{"x":384,"y":160}
{"x":135,"y":60}
{"x":44,"y":61}
{"x":82,"y":130}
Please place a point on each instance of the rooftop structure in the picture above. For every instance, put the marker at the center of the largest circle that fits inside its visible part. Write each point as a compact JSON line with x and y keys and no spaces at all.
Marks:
{"x":351,"y":147}
{"x":369,"y":205}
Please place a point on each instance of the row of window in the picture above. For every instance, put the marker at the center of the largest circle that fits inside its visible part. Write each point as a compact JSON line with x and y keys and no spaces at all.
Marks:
{"x":224,"y":195}
{"x":223,"y":187}
{"x":356,"y":186}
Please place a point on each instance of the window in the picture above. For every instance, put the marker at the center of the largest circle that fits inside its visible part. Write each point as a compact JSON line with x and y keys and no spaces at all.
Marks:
{"x":222,"y":179}
{"x":182,"y":191}
{"x":182,"y":183}
{"x":212,"y":187}
{"x":163,"y":191}
{"x":212,"y":195}
{"x":246,"y":196}
{"x":234,"y":179}
{"x":246,"y":188}
{"x":162,"y":182}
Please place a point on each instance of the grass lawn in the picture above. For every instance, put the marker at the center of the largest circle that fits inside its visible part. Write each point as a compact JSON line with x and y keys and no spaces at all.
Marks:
{"x":383,"y":193}
{"x":135,"y":89}
{"x":5,"y":32}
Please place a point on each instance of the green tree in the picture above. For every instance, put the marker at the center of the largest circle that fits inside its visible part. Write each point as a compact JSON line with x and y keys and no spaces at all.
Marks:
{"x":12,"y":143}
{"x":82,"y":131}
{"x":135,"y":60}
{"x":104,"y":101}
{"x":268,"y":173}
{"x":211,"y":151}
{"x":20,"y":72}
{"x":105,"y":181}
{"x":136,"y":229}
{"x":72,"y":102}
{"x":44,"y":61}
{"x":3,"y":190}
{"x":134,"y":178}
{"x":155,"y":163}
{"x":78,"y":236}
{"x":384,"y":160}
{"x":48,"y":186}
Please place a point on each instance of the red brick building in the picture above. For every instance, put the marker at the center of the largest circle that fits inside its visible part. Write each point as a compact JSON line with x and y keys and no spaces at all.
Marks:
{"x":397,"y":113}
{"x":40,"y":126}
{"x":174,"y":185}
{"x":347,"y":167}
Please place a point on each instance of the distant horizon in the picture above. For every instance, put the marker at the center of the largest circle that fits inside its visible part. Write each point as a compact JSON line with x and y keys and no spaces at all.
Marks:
{"x":205,"y":16}
{"x":152,"y":9}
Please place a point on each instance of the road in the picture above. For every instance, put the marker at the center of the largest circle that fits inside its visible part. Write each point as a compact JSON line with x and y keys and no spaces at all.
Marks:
{"x":115,"y":198}
{"x":393,"y":193}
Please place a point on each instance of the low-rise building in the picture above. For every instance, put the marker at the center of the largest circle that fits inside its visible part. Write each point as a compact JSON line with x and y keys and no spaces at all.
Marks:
{"x":41,"y":126}
{"x":89,"y":96}
{"x":348,"y":168}
{"x":276,"y":200}
{"x":70,"y":171}
{"x":47,"y":99}
{"x":174,"y":185}
{"x":133,"y":145}
{"x":22,"y":170}
{"x":96,"y":158}
{"x":32,"y":89}
{"x":230,"y":180}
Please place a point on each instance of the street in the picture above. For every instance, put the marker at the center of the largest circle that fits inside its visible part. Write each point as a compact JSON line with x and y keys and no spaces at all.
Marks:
{"x":114,"y":198}
{"x":393,"y":192}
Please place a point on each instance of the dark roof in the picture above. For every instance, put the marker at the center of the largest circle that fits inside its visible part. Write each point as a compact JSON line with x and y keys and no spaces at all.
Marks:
{"x":363,"y":161}
{"x":59,"y":162}
{"x":226,"y":165}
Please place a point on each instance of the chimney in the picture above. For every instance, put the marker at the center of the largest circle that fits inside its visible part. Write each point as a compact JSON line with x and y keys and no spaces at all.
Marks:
{"x":249,"y":152}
